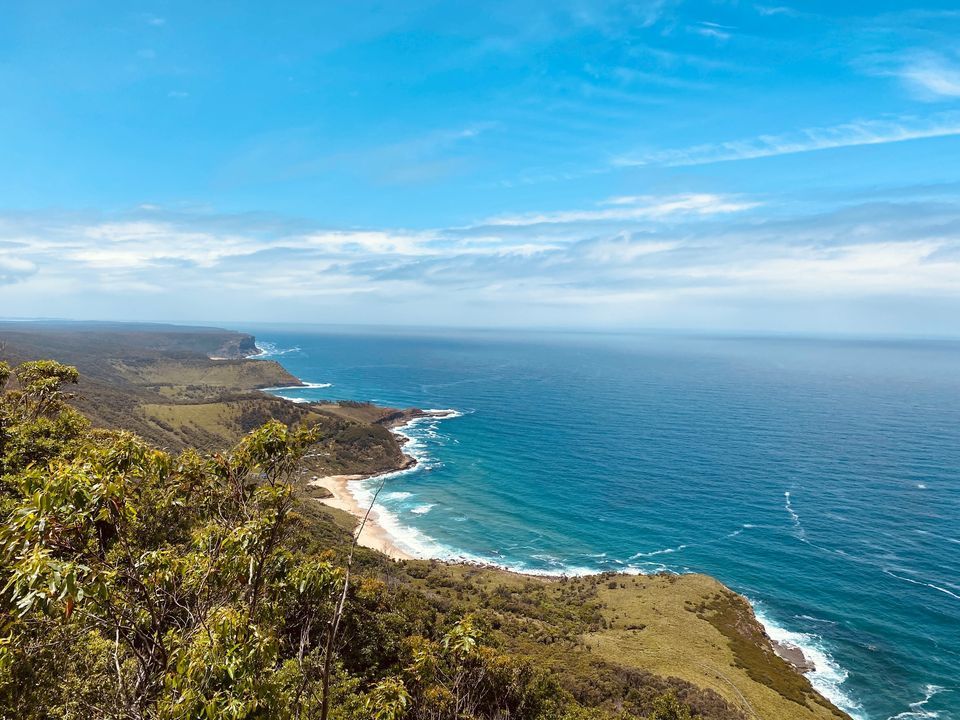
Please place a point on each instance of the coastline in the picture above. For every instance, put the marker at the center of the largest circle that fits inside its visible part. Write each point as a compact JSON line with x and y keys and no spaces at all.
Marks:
{"x":377,"y":536}
{"x":346,"y":490}
{"x":348,"y":494}
{"x":373,"y":535}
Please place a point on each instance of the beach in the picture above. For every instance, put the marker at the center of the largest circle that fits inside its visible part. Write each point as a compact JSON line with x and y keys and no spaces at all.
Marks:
{"x":372,"y":535}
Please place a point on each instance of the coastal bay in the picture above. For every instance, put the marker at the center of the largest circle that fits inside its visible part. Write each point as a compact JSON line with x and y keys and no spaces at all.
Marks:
{"x":754,"y":460}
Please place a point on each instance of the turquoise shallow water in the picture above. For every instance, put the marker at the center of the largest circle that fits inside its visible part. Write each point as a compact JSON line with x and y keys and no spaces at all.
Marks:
{"x":821,"y":478}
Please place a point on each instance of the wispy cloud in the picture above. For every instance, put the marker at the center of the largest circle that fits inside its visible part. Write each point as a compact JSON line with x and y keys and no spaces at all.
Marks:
{"x":862,"y":132}
{"x":768,"y":10}
{"x":930,"y":75}
{"x":659,"y":259}
{"x":639,"y":207}
{"x":711,"y":30}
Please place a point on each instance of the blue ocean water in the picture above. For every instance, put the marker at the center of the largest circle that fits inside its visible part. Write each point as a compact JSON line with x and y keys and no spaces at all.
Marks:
{"x":820,"y":478}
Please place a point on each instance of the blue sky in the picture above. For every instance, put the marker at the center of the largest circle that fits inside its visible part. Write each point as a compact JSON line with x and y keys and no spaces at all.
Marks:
{"x":711,"y":165}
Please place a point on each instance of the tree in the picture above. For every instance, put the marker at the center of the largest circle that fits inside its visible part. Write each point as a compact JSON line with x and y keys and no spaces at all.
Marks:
{"x":179,"y":561}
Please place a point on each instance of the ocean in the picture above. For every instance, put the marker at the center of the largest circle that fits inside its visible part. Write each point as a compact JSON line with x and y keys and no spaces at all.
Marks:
{"x":818,"y":477}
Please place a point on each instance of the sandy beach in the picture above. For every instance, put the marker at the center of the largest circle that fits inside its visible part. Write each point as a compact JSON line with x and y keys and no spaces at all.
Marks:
{"x":372,"y":535}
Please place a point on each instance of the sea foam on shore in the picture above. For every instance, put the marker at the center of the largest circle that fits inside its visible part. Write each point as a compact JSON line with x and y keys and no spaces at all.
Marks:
{"x":827,"y":677}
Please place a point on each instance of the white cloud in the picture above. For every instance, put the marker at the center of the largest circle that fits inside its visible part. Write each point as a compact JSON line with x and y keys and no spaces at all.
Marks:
{"x":640,"y":207}
{"x":768,"y":10}
{"x":852,"y":134}
{"x":14,"y":269}
{"x":712,"y":30}
{"x":657,"y":258}
{"x":932,"y":76}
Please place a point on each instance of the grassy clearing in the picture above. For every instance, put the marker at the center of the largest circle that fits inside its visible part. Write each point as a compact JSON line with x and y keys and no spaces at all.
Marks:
{"x":601,"y":633}
{"x":692,"y":627}
{"x":212,"y":376}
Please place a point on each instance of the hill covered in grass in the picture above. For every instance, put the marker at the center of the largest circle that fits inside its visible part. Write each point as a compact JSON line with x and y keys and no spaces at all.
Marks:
{"x":176,"y":584}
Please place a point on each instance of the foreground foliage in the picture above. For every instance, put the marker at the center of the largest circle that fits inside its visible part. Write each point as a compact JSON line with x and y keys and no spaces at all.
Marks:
{"x":137,"y":584}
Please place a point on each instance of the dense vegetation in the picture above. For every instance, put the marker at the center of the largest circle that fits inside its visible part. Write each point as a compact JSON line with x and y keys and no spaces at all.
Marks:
{"x":138,"y":584}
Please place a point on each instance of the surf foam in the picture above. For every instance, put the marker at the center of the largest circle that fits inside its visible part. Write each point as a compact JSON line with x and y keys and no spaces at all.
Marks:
{"x":918,"y":709}
{"x":828,"y":676}
{"x":269,"y":350}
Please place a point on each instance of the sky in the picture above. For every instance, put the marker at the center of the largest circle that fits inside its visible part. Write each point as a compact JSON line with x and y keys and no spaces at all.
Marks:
{"x":720,"y":165}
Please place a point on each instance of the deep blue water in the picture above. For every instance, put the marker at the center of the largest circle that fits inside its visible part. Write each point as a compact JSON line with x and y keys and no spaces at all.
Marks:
{"x":821,"y":478}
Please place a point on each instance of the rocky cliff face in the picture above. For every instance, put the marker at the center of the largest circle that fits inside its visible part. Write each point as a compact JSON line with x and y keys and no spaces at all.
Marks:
{"x":236,"y":347}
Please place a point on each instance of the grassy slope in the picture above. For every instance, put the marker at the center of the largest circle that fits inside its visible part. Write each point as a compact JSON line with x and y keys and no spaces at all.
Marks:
{"x":604,"y":636}
{"x":689,"y":627}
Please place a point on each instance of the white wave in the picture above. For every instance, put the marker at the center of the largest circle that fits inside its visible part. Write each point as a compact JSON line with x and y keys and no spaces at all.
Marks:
{"x":444,"y":413}
{"x":679,"y":548}
{"x":664,"y":551}
{"x":827,"y":677}
{"x":423,"y":509}
{"x":408,"y":538}
{"x":918,"y":709}
{"x":924,"y":583}
{"x":269,"y":349}
{"x":815,"y":619}
{"x":796,"y":518}
{"x":304,"y":386}
{"x":644,"y":568}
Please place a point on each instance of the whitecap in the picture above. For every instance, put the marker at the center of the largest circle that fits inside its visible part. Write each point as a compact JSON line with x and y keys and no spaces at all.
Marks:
{"x":289,"y":392}
{"x":796,"y":518}
{"x":918,"y":709}
{"x":924,"y":583}
{"x":269,"y":349}
{"x":398,"y":495}
{"x":684,"y":546}
{"x":423,"y":509}
{"x":815,"y":619}
{"x":664,"y":551}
